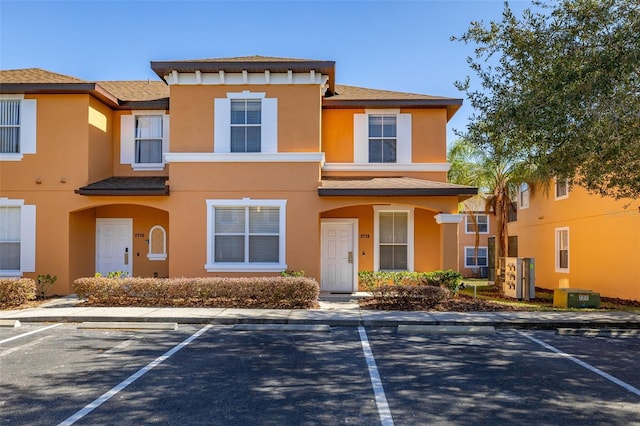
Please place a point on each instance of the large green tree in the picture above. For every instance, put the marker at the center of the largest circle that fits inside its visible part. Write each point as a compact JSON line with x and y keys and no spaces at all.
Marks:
{"x":562,"y":84}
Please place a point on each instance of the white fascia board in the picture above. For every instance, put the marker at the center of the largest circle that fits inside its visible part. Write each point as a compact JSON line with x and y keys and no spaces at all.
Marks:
{"x":443,"y":218}
{"x":245,"y":78}
{"x":387,"y":167}
{"x":245,"y":157}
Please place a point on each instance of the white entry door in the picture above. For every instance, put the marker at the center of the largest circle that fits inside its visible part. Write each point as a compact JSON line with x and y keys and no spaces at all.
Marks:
{"x":114,"y":245}
{"x":339,"y":256}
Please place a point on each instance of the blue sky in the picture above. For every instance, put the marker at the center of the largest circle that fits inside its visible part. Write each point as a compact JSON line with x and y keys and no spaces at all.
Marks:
{"x":392,"y":45}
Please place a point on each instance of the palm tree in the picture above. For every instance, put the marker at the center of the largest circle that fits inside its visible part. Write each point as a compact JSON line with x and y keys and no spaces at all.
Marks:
{"x":498,"y":173}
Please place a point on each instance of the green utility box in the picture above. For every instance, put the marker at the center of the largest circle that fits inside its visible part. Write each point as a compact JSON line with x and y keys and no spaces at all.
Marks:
{"x":575,"y":298}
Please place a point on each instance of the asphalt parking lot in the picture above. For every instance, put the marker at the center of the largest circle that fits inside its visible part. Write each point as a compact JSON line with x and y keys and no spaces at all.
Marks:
{"x":62,"y":374}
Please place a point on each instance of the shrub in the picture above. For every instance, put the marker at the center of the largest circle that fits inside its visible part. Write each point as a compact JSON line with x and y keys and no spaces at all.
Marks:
{"x":372,"y":280}
{"x":264,"y":292}
{"x":16,"y":291}
{"x":449,"y":279}
{"x":408,"y":297}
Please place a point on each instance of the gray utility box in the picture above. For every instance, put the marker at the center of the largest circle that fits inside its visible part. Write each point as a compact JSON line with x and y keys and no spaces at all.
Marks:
{"x":575,"y":298}
{"x":519,"y":278}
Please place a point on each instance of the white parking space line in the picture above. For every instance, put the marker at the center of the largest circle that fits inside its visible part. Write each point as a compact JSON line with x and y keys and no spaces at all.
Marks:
{"x":381,"y":400}
{"x":135,"y":376}
{"x":29,"y":333}
{"x":583,"y":364}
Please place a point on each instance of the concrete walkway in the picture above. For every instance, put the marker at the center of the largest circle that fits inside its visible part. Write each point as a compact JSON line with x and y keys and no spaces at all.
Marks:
{"x":333,"y":311}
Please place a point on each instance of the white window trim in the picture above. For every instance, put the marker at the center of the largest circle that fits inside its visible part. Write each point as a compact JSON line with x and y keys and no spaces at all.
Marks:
{"x":268,"y":122}
{"x":28,"y":123}
{"x":387,"y":167}
{"x":558,"y":231}
{"x":467,"y":222}
{"x":158,"y":256}
{"x":521,"y":204}
{"x":473,"y":248}
{"x":376,"y":234}
{"x":555,"y":190}
{"x":248,"y":157}
{"x":127,"y":140}
{"x":212,"y":266}
{"x":27,"y":237}
{"x":361,"y":136}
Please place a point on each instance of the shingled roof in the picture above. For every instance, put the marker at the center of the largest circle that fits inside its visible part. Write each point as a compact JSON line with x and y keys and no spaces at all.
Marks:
{"x":35,"y":75}
{"x":360,"y":97}
{"x":391,"y":186}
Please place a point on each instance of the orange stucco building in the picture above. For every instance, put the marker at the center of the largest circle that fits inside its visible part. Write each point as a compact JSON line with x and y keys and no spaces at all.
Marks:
{"x":234,"y":166}
{"x":580,"y":240}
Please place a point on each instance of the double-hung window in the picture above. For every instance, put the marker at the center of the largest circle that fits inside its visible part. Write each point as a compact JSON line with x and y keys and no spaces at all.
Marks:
{"x":10,"y":238}
{"x":382,"y":139}
{"x":148,"y":139}
{"x":481,"y":224}
{"x":9,"y":126}
{"x":17,"y":237}
{"x":17,"y":127}
{"x":246,"y":235}
{"x":473,"y":261}
{"x":562,"y":189}
{"x":394,"y":240}
{"x":246,"y":120}
{"x":562,"y":249}
{"x":144,"y":138}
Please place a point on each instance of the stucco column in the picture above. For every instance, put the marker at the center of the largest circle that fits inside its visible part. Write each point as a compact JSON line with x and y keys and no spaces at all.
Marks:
{"x":448,"y":239}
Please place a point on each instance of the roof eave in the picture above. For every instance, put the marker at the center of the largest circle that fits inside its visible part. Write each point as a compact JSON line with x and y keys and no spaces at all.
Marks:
{"x":397,"y":192}
{"x":61,"y":88}
{"x":452,"y":105}
{"x":123,"y":192}
{"x":162,"y":68}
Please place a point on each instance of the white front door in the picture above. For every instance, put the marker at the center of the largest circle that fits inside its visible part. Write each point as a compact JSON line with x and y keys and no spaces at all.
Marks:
{"x":114,"y":244}
{"x":339,"y":256}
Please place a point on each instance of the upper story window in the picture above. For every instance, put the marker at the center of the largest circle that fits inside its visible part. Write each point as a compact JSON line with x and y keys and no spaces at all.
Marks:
{"x":10,"y":126}
{"x":524,"y":194}
{"x":245,"y":122}
{"x":481,"y":223}
{"x":246,"y":119}
{"x":144,"y":137}
{"x":17,"y":127}
{"x":148,"y":139}
{"x":561,"y":189}
{"x":382,"y":138}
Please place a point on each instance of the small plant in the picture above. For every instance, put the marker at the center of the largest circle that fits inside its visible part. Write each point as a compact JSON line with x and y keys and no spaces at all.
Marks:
{"x":292,"y":273}
{"x":43,"y":282}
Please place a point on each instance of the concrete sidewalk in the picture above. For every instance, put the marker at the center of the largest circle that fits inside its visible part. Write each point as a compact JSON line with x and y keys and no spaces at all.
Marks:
{"x":333,"y":311}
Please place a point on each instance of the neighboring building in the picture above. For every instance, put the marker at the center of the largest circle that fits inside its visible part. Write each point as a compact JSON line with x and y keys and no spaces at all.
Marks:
{"x":235,"y":166}
{"x":580,"y":240}
{"x":474,"y":231}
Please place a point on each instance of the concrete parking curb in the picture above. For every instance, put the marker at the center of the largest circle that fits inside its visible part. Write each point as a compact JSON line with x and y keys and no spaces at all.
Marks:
{"x":446,"y":329}
{"x":135,"y":325}
{"x":283,"y":327}
{"x":10,"y":323}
